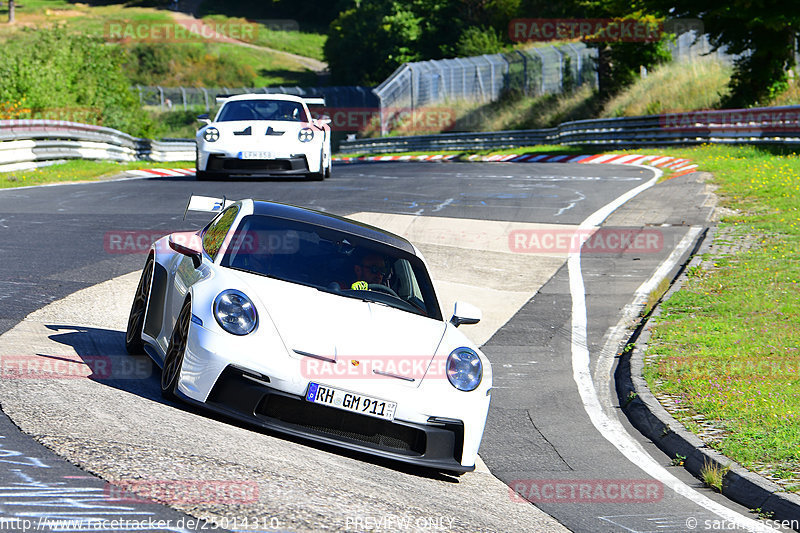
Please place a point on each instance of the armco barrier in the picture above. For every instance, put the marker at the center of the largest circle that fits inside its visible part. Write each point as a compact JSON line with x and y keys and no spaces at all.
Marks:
{"x":768,"y":125}
{"x":37,"y":141}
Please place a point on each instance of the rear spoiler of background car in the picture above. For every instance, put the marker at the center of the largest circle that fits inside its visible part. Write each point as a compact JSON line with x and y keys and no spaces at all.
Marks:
{"x":206,"y":204}
{"x":314,"y":101}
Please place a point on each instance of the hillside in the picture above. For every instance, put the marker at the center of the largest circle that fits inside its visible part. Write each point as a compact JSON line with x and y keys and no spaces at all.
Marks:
{"x":163,"y":47}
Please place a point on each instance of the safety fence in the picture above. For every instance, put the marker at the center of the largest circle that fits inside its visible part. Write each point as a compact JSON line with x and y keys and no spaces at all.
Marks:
{"x":26,"y":143}
{"x":770,"y":125}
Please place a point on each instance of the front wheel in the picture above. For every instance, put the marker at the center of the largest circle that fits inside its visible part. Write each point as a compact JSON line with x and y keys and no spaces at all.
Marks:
{"x":133,"y":334}
{"x":173,"y":361}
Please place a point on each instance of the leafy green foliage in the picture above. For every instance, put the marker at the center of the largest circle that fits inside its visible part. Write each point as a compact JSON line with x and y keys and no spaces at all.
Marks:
{"x":477,"y":40}
{"x":58,"y":72}
{"x":185,"y":64}
{"x":764,"y":29}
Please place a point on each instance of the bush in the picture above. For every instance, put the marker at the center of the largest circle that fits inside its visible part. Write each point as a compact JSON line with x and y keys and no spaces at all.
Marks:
{"x":185,"y":64}
{"x":65,"y":76}
{"x":476,"y":41}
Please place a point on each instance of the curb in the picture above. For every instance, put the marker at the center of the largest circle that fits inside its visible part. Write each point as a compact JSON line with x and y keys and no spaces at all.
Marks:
{"x":648,"y":416}
{"x":679,"y":165}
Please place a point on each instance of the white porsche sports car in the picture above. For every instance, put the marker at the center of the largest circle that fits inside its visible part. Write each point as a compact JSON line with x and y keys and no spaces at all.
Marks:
{"x":313,"y":325}
{"x":264,"y":134}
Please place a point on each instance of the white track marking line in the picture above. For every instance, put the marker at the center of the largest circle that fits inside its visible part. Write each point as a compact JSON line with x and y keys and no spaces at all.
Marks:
{"x":611,"y":429}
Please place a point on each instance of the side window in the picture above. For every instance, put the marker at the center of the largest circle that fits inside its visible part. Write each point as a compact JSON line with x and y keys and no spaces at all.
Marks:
{"x":214,"y":235}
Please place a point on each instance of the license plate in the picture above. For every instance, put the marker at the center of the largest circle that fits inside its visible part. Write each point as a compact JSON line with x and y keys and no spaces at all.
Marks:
{"x":350,"y":401}
{"x":256,"y":155}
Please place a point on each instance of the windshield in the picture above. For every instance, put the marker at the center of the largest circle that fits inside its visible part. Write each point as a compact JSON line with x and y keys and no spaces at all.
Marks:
{"x":332,"y":261}
{"x":281,"y":110}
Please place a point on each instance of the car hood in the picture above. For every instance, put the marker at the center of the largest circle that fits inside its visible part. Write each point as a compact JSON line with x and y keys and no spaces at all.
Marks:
{"x":324,"y":326}
{"x":260,"y":127}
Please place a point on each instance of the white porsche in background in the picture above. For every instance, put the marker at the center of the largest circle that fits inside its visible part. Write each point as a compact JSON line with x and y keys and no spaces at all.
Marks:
{"x":262,"y":135}
{"x":313,"y":325}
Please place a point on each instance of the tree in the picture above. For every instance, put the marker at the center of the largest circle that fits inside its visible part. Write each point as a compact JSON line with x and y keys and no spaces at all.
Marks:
{"x":367,"y":43}
{"x":11,"y":8}
{"x":763,"y":31}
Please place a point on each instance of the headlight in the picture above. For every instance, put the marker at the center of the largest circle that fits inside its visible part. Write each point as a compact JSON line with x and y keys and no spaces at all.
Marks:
{"x":234,"y":312}
{"x":305,"y":135}
{"x":211,"y":135}
{"x":464,"y":369}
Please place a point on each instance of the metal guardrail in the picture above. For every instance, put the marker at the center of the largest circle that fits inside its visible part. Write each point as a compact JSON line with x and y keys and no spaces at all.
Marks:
{"x":34,"y":141}
{"x":769,"y":125}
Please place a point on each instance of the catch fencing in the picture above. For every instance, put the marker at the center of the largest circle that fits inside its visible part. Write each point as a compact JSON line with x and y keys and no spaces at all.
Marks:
{"x":28,"y":143}
{"x":533,"y":71}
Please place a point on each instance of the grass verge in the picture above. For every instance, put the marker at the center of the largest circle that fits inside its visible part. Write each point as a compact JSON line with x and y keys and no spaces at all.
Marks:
{"x":78,"y":170}
{"x":726,"y":346}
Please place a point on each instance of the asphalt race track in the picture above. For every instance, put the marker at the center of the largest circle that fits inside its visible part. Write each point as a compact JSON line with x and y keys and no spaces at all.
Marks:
{"x":554,"y":432}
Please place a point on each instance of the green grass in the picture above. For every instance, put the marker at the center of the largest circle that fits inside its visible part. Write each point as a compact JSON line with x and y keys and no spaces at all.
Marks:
{"x":727,"y":344}
{"x":673,"y":87}
{"x":185,"y":61}
{"x":78,"y":170}
{"x":305,"y":44}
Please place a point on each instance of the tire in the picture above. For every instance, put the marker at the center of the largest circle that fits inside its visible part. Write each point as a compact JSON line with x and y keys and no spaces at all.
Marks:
{"x":202,"y":175}
{"x":173,"y":361}
{"x":317,"y":176}
{"x":133,"y":333}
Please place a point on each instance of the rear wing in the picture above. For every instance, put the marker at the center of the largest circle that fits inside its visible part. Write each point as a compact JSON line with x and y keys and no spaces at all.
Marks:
{"x":314,"y":101}
{"x":206,"y":204}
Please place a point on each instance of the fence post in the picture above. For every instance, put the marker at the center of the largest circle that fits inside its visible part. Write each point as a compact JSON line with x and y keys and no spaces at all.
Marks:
{"x":524,"y":71}
{"x":161,"y":96}
{"x":183,"y":95}
{"x":541,"y":61}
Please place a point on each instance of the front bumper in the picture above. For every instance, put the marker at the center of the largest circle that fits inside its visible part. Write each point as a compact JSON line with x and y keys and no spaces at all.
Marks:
{"x":231,"y":166}
{"x":248,"y":397}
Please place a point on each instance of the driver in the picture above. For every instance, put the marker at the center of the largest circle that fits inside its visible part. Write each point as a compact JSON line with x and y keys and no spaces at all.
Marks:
{"x":371,"y":269}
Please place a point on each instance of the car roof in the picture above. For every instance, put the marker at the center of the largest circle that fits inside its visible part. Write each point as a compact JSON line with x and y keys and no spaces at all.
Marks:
{"x":263,"y":96}
{"x":328,"y":220}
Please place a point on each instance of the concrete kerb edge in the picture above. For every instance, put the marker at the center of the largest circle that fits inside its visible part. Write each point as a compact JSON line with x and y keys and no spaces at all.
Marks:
{"x":651,"y":418}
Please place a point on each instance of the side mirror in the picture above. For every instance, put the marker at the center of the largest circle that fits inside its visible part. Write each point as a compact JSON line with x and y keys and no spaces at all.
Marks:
{"x":204,"y":119}
{"x":188,"y":243}
{"x":465,"y":313}
{"x":324,"y":119}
